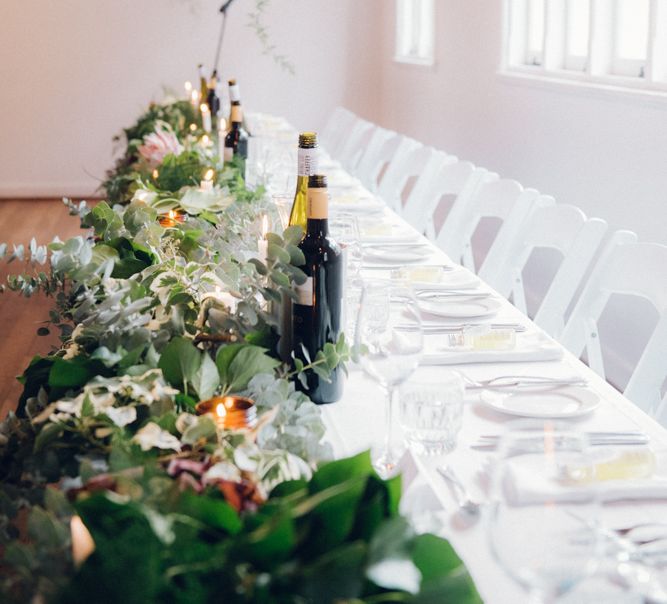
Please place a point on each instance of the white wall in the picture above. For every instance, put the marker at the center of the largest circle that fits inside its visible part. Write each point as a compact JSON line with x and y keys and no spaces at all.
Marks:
{"x":74,"y":72}
{"x":607,"y":155}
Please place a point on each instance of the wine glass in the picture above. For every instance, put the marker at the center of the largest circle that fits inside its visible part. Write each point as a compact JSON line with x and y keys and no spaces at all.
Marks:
{"x":542,"y":518}
{"x":388,"y":345}
{"x":345,"y":230}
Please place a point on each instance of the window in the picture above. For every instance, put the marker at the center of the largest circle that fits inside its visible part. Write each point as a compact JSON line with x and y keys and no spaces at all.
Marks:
{"x":415,"y":31}
{"x":617,"y":42}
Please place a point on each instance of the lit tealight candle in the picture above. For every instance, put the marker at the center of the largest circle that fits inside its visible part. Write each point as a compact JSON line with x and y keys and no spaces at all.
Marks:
{"x":230,"y":412}
{"x":205,"y":117}
{"x":172,"y":218}
{"x":207,"y":183}
{"x":82,"y":541}
{"x":263,"y":244}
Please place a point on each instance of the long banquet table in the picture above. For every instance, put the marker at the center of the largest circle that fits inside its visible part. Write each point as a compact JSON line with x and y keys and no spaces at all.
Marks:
{"x":356,"y":423}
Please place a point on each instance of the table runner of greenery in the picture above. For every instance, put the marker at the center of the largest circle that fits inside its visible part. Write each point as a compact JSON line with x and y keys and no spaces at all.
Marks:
{"x":153,"y":319}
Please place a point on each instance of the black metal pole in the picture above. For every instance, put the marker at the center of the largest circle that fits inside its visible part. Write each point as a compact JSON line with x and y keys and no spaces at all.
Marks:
{"x":223,"y":10}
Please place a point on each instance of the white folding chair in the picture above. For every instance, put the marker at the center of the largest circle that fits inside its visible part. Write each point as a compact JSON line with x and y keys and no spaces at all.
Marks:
{"x":631,"y":268}
{"x":503,"y":199}
{"x":548,"y":225}
{"x":377,"y":155}
{"x":411,"y":160}
{"x":450,"y":178}
{"x":333,"y":136}
{"x":353,"y":148}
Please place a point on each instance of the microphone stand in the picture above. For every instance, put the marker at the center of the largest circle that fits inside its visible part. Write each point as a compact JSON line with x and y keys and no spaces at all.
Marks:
{"x":223,"y":10}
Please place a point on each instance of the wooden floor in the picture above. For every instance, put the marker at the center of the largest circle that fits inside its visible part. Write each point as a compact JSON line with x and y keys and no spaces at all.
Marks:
{"x":20,"y":220}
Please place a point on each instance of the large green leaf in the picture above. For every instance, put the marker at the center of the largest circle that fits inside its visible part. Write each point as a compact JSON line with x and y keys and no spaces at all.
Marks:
{"x":337,"y":575}
{"x":180,"y":362}
{"x":215,"y":513}
{"x":340,"y":470}
{"x":125,"y":566}
{"x":239,"y":363}
{"x":206,"y":380}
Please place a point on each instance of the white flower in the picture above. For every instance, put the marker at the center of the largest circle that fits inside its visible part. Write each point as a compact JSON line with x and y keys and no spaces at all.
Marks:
{"x":121,"y":416}
{"x":195,"y":200}
{"x":223,"y":470}
{"x":151,"y":435}
{"x":144,"y":196}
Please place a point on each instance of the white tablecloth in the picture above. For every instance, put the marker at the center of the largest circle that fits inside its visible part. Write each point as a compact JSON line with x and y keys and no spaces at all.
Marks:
{"x":356,"y":423}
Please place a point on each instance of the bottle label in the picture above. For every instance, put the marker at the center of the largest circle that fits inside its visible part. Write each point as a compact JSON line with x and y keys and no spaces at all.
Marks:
{"x":307,"y":162}
{"x":234,"y":93}
{"x":318,"y":204}
{"x":236,"y":114}
{"x":229,"y":154}
{"x":304,"y":292}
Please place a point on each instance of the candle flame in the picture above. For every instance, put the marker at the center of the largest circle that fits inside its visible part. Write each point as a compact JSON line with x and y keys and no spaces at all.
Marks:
{"x":204,"y":108}
{"x":155,"y":174}
{"x":172,"y":214}
{"x":220,"y":410}
{"x":222,"y":125}
{"x":82,"y":541}
{"x":209,"y":174}
{"x":188,"y":87}
{"x":195,"y":96}
{"x":265,"y":225}
{"x":205,"y":140}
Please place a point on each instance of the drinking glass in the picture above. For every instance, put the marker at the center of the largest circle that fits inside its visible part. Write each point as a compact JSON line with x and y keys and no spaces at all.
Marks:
{"x":542,"y":519}
{"x":432,"y":412}
{"x":345,"y":230}
{"x":389,"y":343}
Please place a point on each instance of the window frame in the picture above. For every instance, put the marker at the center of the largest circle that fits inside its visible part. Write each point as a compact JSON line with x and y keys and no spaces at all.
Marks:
{"x":597,"y":69}
{"x":409,"y":53}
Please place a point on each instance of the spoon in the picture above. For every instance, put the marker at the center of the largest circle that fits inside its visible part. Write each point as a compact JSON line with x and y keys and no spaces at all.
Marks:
{"x":468,"y":509}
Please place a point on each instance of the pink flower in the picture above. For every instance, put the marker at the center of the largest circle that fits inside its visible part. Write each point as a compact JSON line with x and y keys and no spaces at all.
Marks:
{"x":157,"y":145}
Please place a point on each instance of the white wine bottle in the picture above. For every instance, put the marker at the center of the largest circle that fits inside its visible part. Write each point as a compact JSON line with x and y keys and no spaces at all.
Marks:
{"x":316,"y":314}
{"x":307,"y":166}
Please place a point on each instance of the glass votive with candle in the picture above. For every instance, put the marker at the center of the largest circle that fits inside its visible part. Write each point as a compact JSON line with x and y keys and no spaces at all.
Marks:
{"x":230,"y":412}
{"x":205,"y":117}
{"x":172,"y":218}
{"x":207,"y":183}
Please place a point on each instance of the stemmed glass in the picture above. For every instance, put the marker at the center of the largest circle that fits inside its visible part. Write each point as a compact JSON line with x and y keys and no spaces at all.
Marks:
{"x":389,"y":344}
{"x":542,"y":519}
{"x":345,"y":230}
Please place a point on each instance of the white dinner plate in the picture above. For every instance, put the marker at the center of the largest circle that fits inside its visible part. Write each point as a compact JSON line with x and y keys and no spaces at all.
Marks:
{"x":543,"y":402}
{"x":397,"y":255}
{"x":460,"y":308}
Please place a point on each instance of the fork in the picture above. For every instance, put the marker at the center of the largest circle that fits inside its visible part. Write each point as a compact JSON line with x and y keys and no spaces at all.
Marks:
{"x":518,"y":381}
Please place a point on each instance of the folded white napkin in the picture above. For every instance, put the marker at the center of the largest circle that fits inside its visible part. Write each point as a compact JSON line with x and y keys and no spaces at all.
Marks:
{"x":529,"y":347}
{"x":527,"y":483}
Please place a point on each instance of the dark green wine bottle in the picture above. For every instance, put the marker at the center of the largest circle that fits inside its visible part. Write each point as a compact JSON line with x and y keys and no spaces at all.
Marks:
{"x":316,"y":314}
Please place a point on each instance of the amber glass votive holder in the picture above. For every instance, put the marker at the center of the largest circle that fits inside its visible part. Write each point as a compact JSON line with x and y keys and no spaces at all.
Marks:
{"x":172,"y":218}
{"x":230,"y":412}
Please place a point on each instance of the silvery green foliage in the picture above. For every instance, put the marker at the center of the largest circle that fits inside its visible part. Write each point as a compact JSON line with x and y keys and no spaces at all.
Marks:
{"x":297,"y":424}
